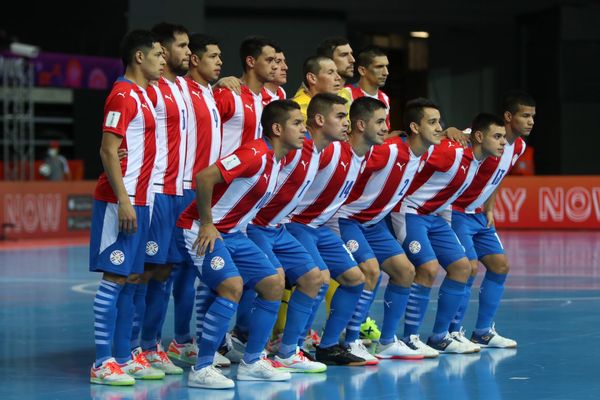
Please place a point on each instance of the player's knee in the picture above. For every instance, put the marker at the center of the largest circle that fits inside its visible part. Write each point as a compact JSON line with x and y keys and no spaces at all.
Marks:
{"x":118,"y":279}
{"x":501,"y":267}
{"x":134,"y":278}
{"x":425,"y":275}
{"x":474,"y":268}
{"x":162,"y":274}
{"x":271,"y":287}
{"x":352,"y":277}
{"x":313,"y":279}
{"x":231,"y":288}
{"x":459,"y":271}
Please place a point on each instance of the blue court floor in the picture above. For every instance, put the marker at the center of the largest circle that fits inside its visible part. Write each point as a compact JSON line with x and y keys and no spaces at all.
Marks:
{"x":551,"y":307}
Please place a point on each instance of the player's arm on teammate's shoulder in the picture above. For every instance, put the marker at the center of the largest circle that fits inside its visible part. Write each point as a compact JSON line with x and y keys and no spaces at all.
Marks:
{"x":110,"y":160}
{"x":488,"y":208}
{"x":230,"y":82}
{"x":205,"y":183}
{"x":457,"y":135}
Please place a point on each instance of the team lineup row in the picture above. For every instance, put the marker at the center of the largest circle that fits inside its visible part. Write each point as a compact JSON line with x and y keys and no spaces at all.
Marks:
{"x":247,"y":193}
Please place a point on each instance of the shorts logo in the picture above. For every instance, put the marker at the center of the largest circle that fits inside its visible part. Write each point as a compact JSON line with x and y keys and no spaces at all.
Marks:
{"x":117,"y":257}
{"x":217,"y":263}
{"x":414,"y":247}
{"x":151,"y":248}
{"x":352,"y":245}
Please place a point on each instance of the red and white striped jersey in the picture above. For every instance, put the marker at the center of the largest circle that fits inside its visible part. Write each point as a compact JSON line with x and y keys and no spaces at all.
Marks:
{"x":204,"y":130}
{"x":128,"y":113}
{"x":268,"y":96}
{"x":240,"y":116}
{"x":250,"y":175}
{"x":339,"y":167}
{"x":385,"y":180}
{"x":488,"y":177}
{"x":171,"y":136}
{"x":298,"y":170}
{"x":448,"y":171}
{"x":357,"y":92}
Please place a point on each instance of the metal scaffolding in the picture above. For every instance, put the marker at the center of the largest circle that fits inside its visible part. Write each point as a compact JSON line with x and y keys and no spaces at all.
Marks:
{"x":17,"y":118}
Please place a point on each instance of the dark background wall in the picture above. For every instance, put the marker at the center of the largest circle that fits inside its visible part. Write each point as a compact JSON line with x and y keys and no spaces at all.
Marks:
{"x":476,"y":51}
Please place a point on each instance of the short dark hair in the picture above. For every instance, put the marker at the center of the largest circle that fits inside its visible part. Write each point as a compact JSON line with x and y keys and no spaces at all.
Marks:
{"x":367,"y":55}
{"x":364,"y":107}
{"x":483,"y":121}
{"x":199,"y":41}
{"x":327,"y":46}
{"x":166,"y":32}
{"x":313,"y":65}
{"x":134,"y":41}
{"x":513,"y":99}
{"x":321,"y":103}
{"x":414,"y":111}
{"x":253,"y":46}
{"x":276,"y":112}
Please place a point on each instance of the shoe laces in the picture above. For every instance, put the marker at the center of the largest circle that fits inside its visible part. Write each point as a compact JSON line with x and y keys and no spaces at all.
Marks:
{"x":163,"y":357}
{"x":114,"y":368}
{"x":141,"y":359}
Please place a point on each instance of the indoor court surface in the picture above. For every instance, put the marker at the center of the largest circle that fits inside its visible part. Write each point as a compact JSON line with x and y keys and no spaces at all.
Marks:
{"x":551,"y":307}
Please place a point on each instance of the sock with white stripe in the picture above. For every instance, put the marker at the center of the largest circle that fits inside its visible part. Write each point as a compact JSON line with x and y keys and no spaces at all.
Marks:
{"x":360,"y":313}
{"x":313,"y":314}
{"x":374,"y":295}
{"x":105,"y":315}
{"x":205,"y":296}
{"x":139,"y":303}
{"x":264,"y":315}
{"x":449,"y":298}
{"x":216,"y":323}
{"x":462,"y":309}
{"x":343,"y":304}
{"x":394,"y":306}
{"x":183,"y":301}
{"x":124,"y":324}
{"x":418,"y":300}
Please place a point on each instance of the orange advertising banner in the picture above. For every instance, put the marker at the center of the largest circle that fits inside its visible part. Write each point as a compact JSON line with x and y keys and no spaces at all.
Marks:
{"x":548,"y":202}
{"x":36,"y":210}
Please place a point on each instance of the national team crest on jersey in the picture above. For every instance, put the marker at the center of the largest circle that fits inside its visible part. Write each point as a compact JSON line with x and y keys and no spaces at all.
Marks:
{"x":151,"y":248}
{"x":217,"y":263}
{"x":414,"y":247}
{"x":117,"y":257}
{"x":352,"y":245}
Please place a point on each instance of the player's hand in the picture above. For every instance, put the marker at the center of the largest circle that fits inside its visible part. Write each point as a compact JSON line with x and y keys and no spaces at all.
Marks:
{"x":458,"y":136}
{"x":122,"y":153}
{"x":232,"y":83}
{"x":489,"y":215}
{"x":127,"y":218}
{"x":207,"y":237}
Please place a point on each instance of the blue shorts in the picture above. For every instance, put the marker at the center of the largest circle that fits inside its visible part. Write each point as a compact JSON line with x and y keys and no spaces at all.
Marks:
{"x":175,"y":253}
{"x":430,"y":237}
{"x":283,"y":250}
{"x":113,"y":251}
{"x":161,"y":247}
{"x":235,"y":255}
{"x":472,"y":231}
{"x":326,"y":249}
{"x":366,"y":242}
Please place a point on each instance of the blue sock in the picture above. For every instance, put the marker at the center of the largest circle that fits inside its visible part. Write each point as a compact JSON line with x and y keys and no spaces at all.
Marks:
{"x":299,"y":310}
{"x":264,"y":315}
{"x":216,"y":324}
{"x":205,"y":296}
{"x":154,"y":306}
{"x":183,"y":301}
{"x":394,"y":306}
{"x":139,"y":303}
{"x":343,"y":305}
{"x":105,"y":315}
{"x":374,"y":295}
{"x":244,"y":314}
{"x":462,"y":309}
{"x":313,"y":314}
{"x":451,"y":294}
{"x":359,"y":315}
{"x":490,"y":294}
{"x":418,"y":300}
{"x":166,"y":299}
{"x":124,"y":324}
